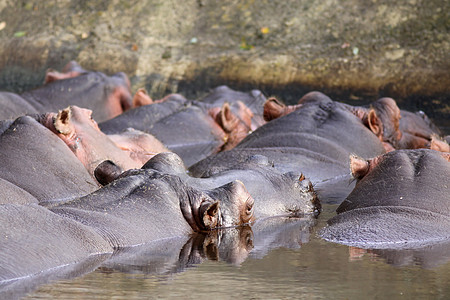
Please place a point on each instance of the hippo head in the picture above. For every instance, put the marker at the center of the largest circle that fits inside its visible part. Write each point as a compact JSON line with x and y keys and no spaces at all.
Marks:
{"x":226,"y":206}
{"x":235,"y":119}
{"x":75,"y":126}
{"x":384,"y":121}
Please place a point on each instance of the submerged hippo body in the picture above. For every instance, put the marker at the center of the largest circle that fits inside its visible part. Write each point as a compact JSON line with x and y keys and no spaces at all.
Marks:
{"x":192,"y":129}
{"x":143,"y":205}
{"x":106,"y":96}
{"x":401,"y":200}
{"x":144,"y":117}
{"x":75,"y":126}
{"x":417,"y":130}
{"x":35,"y":240}
{"x":254,"y":100}
{"x":275,"y":193}
{"x":12,"y":106}
{"x":316,"y":140}
{"x":35,"y":160}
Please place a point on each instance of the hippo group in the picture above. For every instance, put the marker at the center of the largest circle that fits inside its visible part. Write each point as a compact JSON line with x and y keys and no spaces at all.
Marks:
{"x":89,"y":170}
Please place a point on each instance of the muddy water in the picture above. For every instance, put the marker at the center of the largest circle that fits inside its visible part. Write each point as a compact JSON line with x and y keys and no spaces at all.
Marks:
{"x":286,"y":261}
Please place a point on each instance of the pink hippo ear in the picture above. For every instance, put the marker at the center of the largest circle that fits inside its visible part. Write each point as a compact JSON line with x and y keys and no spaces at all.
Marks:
{"x":375,"y":124}
{"x":438,"y":144}
{"x":446,"y":156}
{"x":273,"y":109}
{"x":361,"y":167}
{"x":63,"y":122}
{"x":141,"y":98}
{"x":51,"y":75}
{"x":226,"y":118}
{"x":358,"y":166}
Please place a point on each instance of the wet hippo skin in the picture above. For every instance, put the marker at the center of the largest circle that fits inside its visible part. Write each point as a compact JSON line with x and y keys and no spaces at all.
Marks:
{"x":401,"y":201}
{"x":316,"y":140}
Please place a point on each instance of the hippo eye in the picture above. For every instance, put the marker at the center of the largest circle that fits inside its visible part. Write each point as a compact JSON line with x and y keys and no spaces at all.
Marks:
{"x":249,"y":205}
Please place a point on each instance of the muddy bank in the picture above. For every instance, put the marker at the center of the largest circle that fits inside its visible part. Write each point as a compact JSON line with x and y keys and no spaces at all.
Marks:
{"x":356,"y":50}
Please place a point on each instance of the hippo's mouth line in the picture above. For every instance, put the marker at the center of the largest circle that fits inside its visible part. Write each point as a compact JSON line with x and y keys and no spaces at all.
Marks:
{"x":221,"y":226}
{"x":231,"y":226}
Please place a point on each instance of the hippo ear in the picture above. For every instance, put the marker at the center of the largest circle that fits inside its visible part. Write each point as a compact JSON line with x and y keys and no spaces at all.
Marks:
{"x":141,"y":98}
{"x":106,"y":172}
{"x":438,"y":144}
{"x":63,"y":122}
{"x":51,"y":75}
{"x":273,"y":109}
{"x":446,"y":156}
{"x":358,"y":166}
{"x":227,"y":119}
{"x":375,"y":123}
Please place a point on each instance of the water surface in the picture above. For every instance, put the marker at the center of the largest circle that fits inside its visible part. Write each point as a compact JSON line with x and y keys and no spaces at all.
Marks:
{"x":272,"y":262}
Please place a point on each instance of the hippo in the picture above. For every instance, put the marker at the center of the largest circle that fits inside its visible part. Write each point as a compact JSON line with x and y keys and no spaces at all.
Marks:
{"x":401,"y":201}
{"x":35,"y":240}
{"x":75,"y":126}
{"x":12,"y":106}
{"x":70,"y":70}
{"x":106,"y":96}
{"x":254,"y":100}
{"x":198,"y":131}
{"x":316,"y":140}
{"x":143,"y":117}
{"x":382,"y":117}
{"x":143,"y":205}
{"x":417,"y":130}
{"x":275,"y":193}
{"x":192,"y":129}
{"x":35,"y":163}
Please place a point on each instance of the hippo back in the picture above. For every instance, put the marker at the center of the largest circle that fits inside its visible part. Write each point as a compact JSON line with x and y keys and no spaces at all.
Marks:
{"x":403,"y":202}
{"x":323,"y":126}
